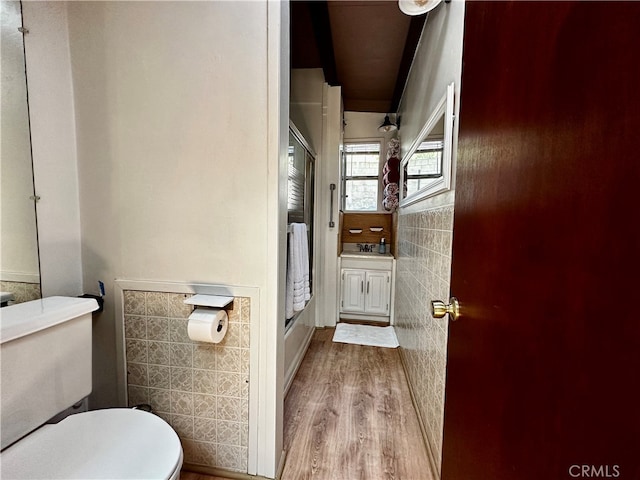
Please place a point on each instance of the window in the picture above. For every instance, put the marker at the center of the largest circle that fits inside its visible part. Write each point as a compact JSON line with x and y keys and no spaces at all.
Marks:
{"x":361,"y":167}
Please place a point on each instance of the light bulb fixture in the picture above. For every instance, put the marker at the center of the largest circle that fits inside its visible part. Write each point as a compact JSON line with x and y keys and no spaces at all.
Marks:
{"x":417,"y":7}
{"x":387,"y":126}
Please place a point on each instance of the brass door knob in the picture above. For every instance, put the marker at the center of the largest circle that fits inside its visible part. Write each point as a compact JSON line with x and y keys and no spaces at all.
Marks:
{"x":439,"y":309}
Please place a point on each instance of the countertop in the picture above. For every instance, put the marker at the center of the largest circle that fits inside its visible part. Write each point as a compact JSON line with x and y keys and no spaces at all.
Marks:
{"x":367,"y":255}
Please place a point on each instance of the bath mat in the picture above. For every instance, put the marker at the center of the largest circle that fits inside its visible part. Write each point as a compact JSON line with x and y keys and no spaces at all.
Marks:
{"x":366,"y":335}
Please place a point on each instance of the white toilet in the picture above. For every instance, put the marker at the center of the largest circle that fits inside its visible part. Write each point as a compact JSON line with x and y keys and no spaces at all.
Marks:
{"x":46,"y":368}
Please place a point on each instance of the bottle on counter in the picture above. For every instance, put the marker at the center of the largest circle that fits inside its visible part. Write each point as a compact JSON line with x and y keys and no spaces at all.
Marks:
{"x":382,"y":248}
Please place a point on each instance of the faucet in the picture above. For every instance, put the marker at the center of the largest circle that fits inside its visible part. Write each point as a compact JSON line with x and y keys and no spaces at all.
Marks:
{"x":366,"y":248}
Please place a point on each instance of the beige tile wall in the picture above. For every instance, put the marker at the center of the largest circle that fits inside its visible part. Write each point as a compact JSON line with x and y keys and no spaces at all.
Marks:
{"x":201,"y":389}
{"x":423,"y":274}
{"x":22,"y":291}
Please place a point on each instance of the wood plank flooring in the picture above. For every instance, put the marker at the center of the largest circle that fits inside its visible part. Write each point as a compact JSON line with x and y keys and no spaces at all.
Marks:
{"x":349,"y":416}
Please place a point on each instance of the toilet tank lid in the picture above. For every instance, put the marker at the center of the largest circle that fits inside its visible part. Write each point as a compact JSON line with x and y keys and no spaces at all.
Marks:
{"x":26,"y":318}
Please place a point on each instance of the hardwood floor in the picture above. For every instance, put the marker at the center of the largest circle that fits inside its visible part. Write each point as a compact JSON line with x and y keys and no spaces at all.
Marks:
{"x":348,"y":415}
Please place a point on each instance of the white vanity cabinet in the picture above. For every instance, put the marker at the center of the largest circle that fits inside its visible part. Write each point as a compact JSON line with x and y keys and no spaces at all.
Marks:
{"x":366,"y":283}
{"x":377,"y":292}
{"x":365,"y":291}
{"x":352,"y":290}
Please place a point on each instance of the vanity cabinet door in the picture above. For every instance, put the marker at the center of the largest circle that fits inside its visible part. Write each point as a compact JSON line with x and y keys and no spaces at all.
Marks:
{"x":353,"y":290}
{"x":377,"y":289}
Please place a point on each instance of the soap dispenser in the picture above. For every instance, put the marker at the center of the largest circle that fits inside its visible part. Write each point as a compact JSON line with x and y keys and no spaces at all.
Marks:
{"x":382,"y":248}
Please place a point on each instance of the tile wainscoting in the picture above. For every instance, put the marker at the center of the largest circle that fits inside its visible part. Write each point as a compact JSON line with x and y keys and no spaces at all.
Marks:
{"x":423,"y":274}
{"x":201,"y":389}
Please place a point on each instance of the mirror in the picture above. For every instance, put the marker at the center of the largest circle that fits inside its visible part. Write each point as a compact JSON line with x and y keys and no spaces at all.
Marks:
{"x":426,"y":167}
{"x":19,"y":266}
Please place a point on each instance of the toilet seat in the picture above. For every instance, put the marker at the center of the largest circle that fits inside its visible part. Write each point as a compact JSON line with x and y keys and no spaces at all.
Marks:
{"x":114,"y":443}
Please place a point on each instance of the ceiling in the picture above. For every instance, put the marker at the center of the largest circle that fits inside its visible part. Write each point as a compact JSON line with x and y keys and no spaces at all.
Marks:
{"x":366,"y":47}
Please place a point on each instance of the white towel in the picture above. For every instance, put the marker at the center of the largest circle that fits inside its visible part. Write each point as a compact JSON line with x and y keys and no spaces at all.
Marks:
{"x":298,"y":291}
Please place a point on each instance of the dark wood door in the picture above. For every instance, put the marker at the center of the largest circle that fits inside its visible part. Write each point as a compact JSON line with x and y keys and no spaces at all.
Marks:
{"x":543,"y":369}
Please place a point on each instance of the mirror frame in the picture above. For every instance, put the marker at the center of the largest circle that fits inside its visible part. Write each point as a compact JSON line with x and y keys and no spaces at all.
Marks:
{"x":442,"y":183}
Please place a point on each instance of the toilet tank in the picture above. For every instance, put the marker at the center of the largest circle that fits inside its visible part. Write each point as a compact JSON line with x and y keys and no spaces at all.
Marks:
{"x":45,"y":361}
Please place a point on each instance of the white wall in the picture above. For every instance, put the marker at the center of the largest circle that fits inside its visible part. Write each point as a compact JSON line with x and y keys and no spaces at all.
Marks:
{"x":168,"y":189}
{"x":180,"y":134}
{"x":53,"y":142}
{"x":327,"y":304}
{"x":172,"y":133}
{"x":365,"y":125}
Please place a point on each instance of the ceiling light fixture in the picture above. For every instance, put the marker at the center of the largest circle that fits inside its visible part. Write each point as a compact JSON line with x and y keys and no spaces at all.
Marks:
{"x":417,"y":7}
{"x":387,"y":126}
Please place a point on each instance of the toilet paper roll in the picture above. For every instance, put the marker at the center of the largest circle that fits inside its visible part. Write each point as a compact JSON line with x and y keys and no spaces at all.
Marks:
{"x":208,"y":325}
